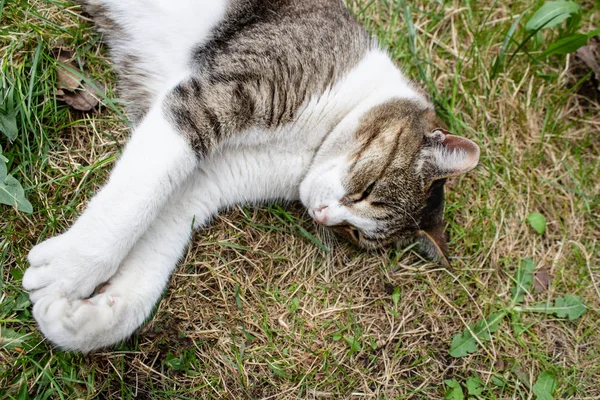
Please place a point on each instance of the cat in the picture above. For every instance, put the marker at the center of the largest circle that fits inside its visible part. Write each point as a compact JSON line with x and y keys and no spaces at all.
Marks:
{"x":241,"y":101}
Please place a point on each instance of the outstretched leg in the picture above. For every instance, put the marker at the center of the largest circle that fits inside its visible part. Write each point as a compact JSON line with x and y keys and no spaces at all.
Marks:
{"x":190,"y":121}
{"x":156,"y":161}
{"x":151,"y":43}
{"x":130,"y":295}
{"x":127,"y":300}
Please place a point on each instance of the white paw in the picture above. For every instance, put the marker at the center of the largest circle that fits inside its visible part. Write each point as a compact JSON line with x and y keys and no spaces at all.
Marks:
{"x":85,"y":325}
{"x":66,"y":266}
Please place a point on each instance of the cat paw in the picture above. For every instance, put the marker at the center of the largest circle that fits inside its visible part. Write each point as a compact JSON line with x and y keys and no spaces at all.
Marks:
{"x":84,"y":325}
{"x":65,"y":267}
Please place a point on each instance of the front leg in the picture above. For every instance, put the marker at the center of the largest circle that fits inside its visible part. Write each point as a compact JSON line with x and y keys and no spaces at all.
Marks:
{"x":155,"y":163}
{"x":127,"y":299}
{"x":129,"y":296}
{"x":188,"y":123}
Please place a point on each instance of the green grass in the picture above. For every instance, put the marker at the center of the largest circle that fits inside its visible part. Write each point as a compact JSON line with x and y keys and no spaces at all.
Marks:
{"x":264,"y":304}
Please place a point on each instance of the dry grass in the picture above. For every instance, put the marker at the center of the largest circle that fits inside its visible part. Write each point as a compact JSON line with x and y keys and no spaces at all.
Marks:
{"x":258,"y":310}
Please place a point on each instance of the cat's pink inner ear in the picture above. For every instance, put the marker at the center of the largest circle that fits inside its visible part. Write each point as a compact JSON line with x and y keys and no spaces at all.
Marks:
{"x":456,"y":156}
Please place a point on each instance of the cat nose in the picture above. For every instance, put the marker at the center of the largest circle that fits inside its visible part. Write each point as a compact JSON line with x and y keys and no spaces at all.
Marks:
{"x":320,"y":214}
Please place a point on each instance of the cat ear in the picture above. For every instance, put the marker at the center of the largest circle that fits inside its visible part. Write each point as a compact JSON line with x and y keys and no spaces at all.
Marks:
{"x":433,"y":243}
{"x":452,"y":155}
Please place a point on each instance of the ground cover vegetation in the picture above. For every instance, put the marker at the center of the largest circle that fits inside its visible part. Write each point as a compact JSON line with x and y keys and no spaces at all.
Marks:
{"x":264,"y":304}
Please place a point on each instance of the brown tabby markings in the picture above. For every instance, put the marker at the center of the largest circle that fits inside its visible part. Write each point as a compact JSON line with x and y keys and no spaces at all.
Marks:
{"x":132,"y":77}
{"x":263,"y":62}
{"x":392,"y":136}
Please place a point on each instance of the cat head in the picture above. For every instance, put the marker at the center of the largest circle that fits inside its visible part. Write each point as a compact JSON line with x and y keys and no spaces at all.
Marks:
{"x":383,"y":181}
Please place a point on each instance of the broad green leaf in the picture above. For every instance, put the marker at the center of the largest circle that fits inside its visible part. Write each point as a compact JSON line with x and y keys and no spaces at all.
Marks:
{"x":570,"y":307}
{"x":523,"y":280}
{"x":354,"y":345}
{"x":9,"y":339}
{"x":8,"y":123}
{"x":181,"y":363}
{"x":3,"y":170}
{"x":466,"y":342}
{"x":544,"y":386}
{"x":537,"y":222}
{"x":566,"y":45}
{"x":454,"y":391}
{"x":593,"y":33}
{"x":2,"y":158}
{"x":11,"y":193}
{"x":463,"y":344}
{"x":499,"y":381}
{"x":474,"y":386}
{"x":551,"y":14}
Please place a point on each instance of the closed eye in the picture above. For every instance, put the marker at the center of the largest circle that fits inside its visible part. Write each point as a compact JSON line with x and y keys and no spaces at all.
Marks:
{"x":357,"y":198}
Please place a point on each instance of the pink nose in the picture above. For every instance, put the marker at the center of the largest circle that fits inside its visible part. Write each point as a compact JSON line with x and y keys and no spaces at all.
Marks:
{"x":320,"y":214}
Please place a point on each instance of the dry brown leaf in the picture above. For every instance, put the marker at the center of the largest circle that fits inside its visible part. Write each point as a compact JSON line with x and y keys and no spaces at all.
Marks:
{"x":589,"y":55}
{"x":70,"y":84}
{"x":66,"y":77}
{"x":83,"y":98}
{"x":541,"y":280}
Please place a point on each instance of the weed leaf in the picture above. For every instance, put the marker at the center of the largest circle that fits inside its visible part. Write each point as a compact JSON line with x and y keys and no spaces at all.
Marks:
{"x":9,"y":339}
{"x":8,"y":124}
{"x":570,"y":307}
{"x":181,"y":363}
{"x":567,"y":44}
{"x":454,"y":391}
{"x":3,"y":170}
{"x":537,"y":222}
{"x":523,"y":280}
{"x":8,"y":113}
{"x":277,"y":371}
{"x":551,"y":14}
{"x":499,"y":381}
{"x":465,"y":343}
{"x":474,"y":386}
{"x":544,"y":386}
{"x":354,"y":345}
{"x":12,"y":193}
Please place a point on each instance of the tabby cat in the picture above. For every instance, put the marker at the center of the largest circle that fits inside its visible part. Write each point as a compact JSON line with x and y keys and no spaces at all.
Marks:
{"x":241,"y":101}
